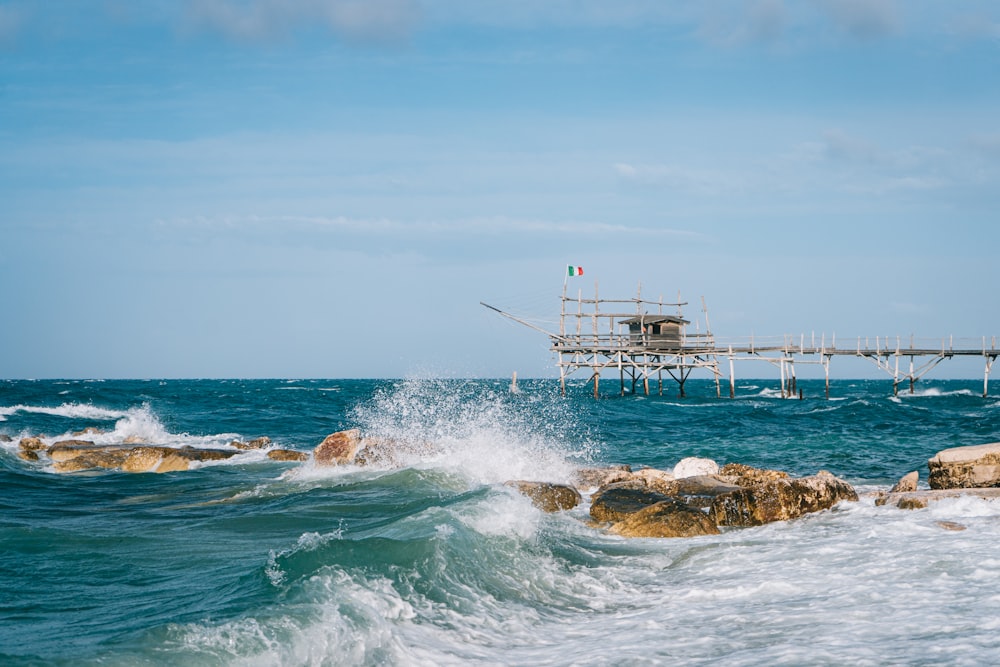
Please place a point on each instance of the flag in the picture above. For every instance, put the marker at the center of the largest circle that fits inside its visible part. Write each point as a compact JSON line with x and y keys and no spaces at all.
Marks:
{"x":574,"y":270}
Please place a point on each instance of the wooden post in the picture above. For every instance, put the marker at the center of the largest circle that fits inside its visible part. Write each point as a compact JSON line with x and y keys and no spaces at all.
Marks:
{"x":913,"y":380}
{"x":781,"y":364}
{"x":732,"y":375}
{"x":986,"y":376}
{"x":621,"y":372}
{"x":826,"y":371}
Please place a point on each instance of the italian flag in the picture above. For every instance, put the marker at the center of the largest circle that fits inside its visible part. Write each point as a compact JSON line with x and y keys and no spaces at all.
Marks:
{"x":574,"y":270}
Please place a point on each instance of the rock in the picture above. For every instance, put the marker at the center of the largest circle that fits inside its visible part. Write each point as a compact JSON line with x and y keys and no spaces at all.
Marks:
{"x":911,"y":503}
{"x":92,"y":458}
{"x":383,"y":452}
{"x":134,"y":440}
{"x":906,"y":483}
{"x":287,"y":455}
{"x":744,"y":475}
{"x":977,"y":466}
{"x":589,"y":478}
{"x":256,"y":443}
{"x":693,"y":466}
{"x":90,"y":430}
{"x":28,"y":454}
{"x":548,"y":497}
{"x":656,"y":480}
{"x":144,"y":458}
{"x":950,"y":525}
{"x":338,"y":448}
{"x":70,"y":449}
{"x":5,"y":438}
{"x":669,"y":518}
{"x":615,"y":502}
{"x":31,"y":444}
{"x":921,"y":499}
{"x":767,"y":498}
{"x":699,"y":491}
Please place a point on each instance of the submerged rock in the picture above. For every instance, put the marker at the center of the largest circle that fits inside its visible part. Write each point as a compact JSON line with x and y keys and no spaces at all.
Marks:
{"x":766,"y":497}
{"x":30,"y":444}
{"x":977,"y":466}
{"x":668,"y":518}
{"x":617,"y":501}
{"x":548,"y":497}
{"x":144,"y":458}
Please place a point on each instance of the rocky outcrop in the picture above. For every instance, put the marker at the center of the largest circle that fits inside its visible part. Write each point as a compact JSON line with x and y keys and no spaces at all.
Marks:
{"x":548,"y":497}
{"x":913,"y":500}
{"x":694,"y":466}
{"x":338,"y":448}
{"x":767,"y":497}
{"x":617,"y":501}
{"x":906,"y":483}
{"x":591,"y":478}
{"x":73,"y":456}
{"x":287,"y":455}
{"x":28,"y":448}
{"x":257,"y":443}
{"x":977,"y":466}
{"x":668,"y":518}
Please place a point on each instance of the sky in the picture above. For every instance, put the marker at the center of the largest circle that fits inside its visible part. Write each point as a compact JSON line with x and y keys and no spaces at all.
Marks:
{"x":329,"y":188}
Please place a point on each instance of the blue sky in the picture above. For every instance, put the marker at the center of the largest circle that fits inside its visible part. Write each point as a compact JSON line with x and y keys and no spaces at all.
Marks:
{"x":328,"y":188}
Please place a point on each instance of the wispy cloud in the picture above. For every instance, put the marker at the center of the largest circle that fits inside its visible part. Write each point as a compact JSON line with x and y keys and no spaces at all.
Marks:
{"x":690,"y":180}
{"x":864,"y":19}
{"x":261,"y":20}
{"x":10,"y":24}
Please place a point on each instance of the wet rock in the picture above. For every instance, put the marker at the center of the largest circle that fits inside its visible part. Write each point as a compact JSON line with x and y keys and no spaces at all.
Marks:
{"x":65,"y":450}
{"x":950,"y":525}
{"x":668,"y":518}
{"x":31,"y":444}
{"x":90,"y":430}
{"x":906,"y":483}
{"x":338,"y":448}
{"x":548,"y":497}
{"x":287,"y":455}
{"x":744,"y":475}
{"x":5,"y":438}
{"x":146,"y":458}
{"x":699,"y":491}
{"x":694,"y":466}
{"x":655,"y":479}
{"x":920,"y":499}
{"x":767,"y":498}
{"x":615,"y":502}
{"x":977,"y":466}
{"x":135,"y":440}
{"x":85,"y":459}
{"x":589,"y":478}
{"x":27,"y":454}
{"x":257,"y":443}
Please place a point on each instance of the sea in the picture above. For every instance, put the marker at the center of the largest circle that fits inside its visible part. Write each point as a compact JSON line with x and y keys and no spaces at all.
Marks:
{"x":436,"y":561}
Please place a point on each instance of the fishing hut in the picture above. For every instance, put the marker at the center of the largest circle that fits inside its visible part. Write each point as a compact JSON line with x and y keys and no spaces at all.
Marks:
{"x":639,"y":341}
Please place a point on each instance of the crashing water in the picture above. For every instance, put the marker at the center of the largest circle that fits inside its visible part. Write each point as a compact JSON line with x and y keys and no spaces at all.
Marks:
{"x":436,"y":562}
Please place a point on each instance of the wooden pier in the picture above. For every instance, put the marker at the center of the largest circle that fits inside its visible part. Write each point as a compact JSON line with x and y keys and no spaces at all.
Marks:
{"x":638,"y":341}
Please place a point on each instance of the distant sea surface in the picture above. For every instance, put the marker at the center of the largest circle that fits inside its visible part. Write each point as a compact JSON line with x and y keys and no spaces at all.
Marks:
{"x":249,"y":561}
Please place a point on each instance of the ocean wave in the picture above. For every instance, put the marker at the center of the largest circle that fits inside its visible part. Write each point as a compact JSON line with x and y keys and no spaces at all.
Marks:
{"x":68,"y":410}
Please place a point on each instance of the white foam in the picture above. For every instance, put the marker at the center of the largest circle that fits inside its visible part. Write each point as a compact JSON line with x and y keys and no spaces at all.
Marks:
{"x":68,"y":410}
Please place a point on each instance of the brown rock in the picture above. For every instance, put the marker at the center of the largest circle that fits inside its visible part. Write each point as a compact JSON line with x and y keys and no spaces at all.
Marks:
{"x":28,"y":454}
{"x":615,"y":502}
{"x":589,"y":478}
{"x":173,"y":462}
{"x":744,"y":475}
{"x":90,"y":430}
{"x":31,"y":444}
{"x":256,"y":443}
{"x":950,"y":525}
{"x":668,"y":518}
{"x":548,"y":497}
{"x":134,"y":440}
{"x":337,"y":448}
{"x":977,"y":466}
{"x":776,"y":498}
{"x":92,"y":458}
{"x":287,"y":455}
{"x":907,"y":483}
{"x":699,"y":491}
{"x":70,"y":449}
{"x":911,"y":503}
{"x":143,"y":459}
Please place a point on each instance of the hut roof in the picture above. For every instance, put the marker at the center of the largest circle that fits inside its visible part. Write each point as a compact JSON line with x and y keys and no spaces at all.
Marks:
{"x":654,"y":319}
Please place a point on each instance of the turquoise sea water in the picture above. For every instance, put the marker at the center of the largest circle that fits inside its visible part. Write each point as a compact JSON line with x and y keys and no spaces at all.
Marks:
{"x":436,"y":562}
